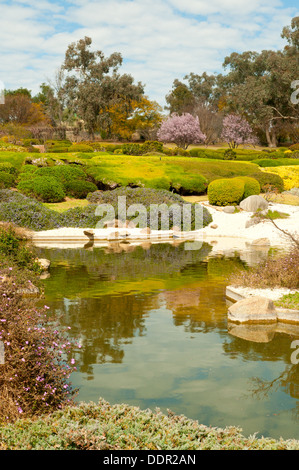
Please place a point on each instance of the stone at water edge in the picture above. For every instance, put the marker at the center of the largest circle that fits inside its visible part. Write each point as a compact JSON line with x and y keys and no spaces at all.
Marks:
{"x":44,"y":263}
{"x":252,"y":309}
{"x":254,"y":203}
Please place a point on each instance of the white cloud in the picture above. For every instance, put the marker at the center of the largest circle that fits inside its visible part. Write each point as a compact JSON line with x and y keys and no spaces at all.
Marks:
{"x":159,"y":40}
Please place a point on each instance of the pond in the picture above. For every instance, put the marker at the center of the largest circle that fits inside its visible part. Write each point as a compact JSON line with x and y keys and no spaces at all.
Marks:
{"x":152,"y":323}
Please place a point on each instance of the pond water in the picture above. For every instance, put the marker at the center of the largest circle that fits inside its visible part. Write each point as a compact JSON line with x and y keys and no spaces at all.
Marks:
{"x":152,"y":322}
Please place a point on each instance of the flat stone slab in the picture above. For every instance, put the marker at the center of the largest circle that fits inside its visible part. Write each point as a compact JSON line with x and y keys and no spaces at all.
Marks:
{"x":283,"y":315}
{"x":253,"y":309}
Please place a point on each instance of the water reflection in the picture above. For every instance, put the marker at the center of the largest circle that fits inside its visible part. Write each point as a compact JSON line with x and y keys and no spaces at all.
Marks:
{"x":153,"y":326}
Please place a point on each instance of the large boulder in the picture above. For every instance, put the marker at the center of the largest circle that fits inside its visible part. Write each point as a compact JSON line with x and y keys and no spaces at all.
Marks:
{"x":252,"y":310}
{"x":254,"y":203}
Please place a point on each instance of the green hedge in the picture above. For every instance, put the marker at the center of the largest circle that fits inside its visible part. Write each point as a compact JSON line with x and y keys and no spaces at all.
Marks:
{"x":269,"y":181}
{"x":80,"y":148}
{"x":251,"y":186}
{"x":79,"y":189}
{"x":43,"y":188}
{"x":6,"y":180}
{"x":276,"y":162}
{"x":226,"y":191}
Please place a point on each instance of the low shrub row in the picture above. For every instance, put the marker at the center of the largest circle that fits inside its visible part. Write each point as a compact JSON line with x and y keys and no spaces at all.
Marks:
{"x":31,"y":214}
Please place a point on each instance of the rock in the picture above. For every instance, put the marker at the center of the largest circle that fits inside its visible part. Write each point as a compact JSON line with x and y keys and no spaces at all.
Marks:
{"x":89,"y":234}
{"x":44,"y":263}
{"x":261,"y":242}
{"x":255,"y":333}
{"x":252,"y":310}
{"x":254,"y":203}
{"x":146,"y":230}
{"x":30,"y":291}
{"x":229,"y":209}
{"x":252,"y":221}
{"x":214,"y":226}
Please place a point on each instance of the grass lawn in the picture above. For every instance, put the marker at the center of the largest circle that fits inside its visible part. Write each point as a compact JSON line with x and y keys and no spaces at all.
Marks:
{"x":67,"y":204}
{"x":289,"y":301}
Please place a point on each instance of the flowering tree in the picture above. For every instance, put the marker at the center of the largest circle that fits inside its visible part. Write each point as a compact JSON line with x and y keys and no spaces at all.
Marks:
{"x":236,"y":131}
{"x":182,"y":130}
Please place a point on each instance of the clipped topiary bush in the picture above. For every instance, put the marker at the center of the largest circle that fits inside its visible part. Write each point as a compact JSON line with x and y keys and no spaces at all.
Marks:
{"x":79,"y":189}
{"x":43,"y":188}
{"x":269,"y":181}
{"x":6,"y":180}
{"x":226,"y":191}
{"x":80,"y":148}
{"x":7,"y":167}
{"x":251,"y":186}
{"x":63,"y":173}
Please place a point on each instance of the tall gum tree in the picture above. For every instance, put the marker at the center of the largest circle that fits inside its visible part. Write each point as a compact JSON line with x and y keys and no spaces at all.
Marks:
{"x":94,"y":84}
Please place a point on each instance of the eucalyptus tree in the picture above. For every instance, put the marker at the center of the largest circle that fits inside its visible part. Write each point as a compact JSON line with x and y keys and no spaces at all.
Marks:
{"x":93,"y":84}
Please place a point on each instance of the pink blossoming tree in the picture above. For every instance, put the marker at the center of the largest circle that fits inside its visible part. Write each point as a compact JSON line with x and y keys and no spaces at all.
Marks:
{"x":182,"y":130}
{"x":236,"y":131}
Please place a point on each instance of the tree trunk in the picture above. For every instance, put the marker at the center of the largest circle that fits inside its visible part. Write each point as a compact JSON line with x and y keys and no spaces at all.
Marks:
{"x":271,"y":138}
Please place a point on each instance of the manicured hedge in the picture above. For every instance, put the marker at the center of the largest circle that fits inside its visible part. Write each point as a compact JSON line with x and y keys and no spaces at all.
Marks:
{"x":79,"y":189}
{"x":269,"y":181}
{"x":226,"y":191}
{"x":43,"y":188}
{"x":7,"y":180}
{"x":251,"y":186}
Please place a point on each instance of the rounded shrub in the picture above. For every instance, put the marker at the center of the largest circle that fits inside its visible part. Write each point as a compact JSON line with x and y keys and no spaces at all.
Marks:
{"x":7,"y":168}
{"x":185,"y":185}
{"x":251,"y":186}
{"x":229,"y":154}
{"x":63,"y":173}
{"x":79,"y":189}
{"x":226,"y":191}
{"x":7,"y":180}
{"x":269,"y":181}
{"x":43,"y":188}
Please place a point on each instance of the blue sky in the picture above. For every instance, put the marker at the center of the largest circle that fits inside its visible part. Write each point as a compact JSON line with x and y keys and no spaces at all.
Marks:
{"x":159,"y":40}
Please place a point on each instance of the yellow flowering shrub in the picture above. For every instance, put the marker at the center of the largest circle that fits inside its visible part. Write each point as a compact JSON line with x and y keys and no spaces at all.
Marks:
{"x":289,"y":174}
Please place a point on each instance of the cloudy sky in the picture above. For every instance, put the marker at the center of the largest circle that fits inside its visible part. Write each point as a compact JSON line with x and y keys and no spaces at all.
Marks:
{"x":159,"y":40}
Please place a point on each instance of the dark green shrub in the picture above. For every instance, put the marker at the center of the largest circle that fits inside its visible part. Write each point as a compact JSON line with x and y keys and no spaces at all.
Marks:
{"x":6,"y":180}
{"x":63,"y":173}
{"x":131,"y":149}
{"x":152,"y":146}
{"x":226,"y":191}
{"x":7,"y":167}
{"x":43,"y":188}
{"x":229,"y":154}
{"x":277,"y":162}
{"x":185,"y":184}
{"x":79,"y":189}
{"x":269,"y":181}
